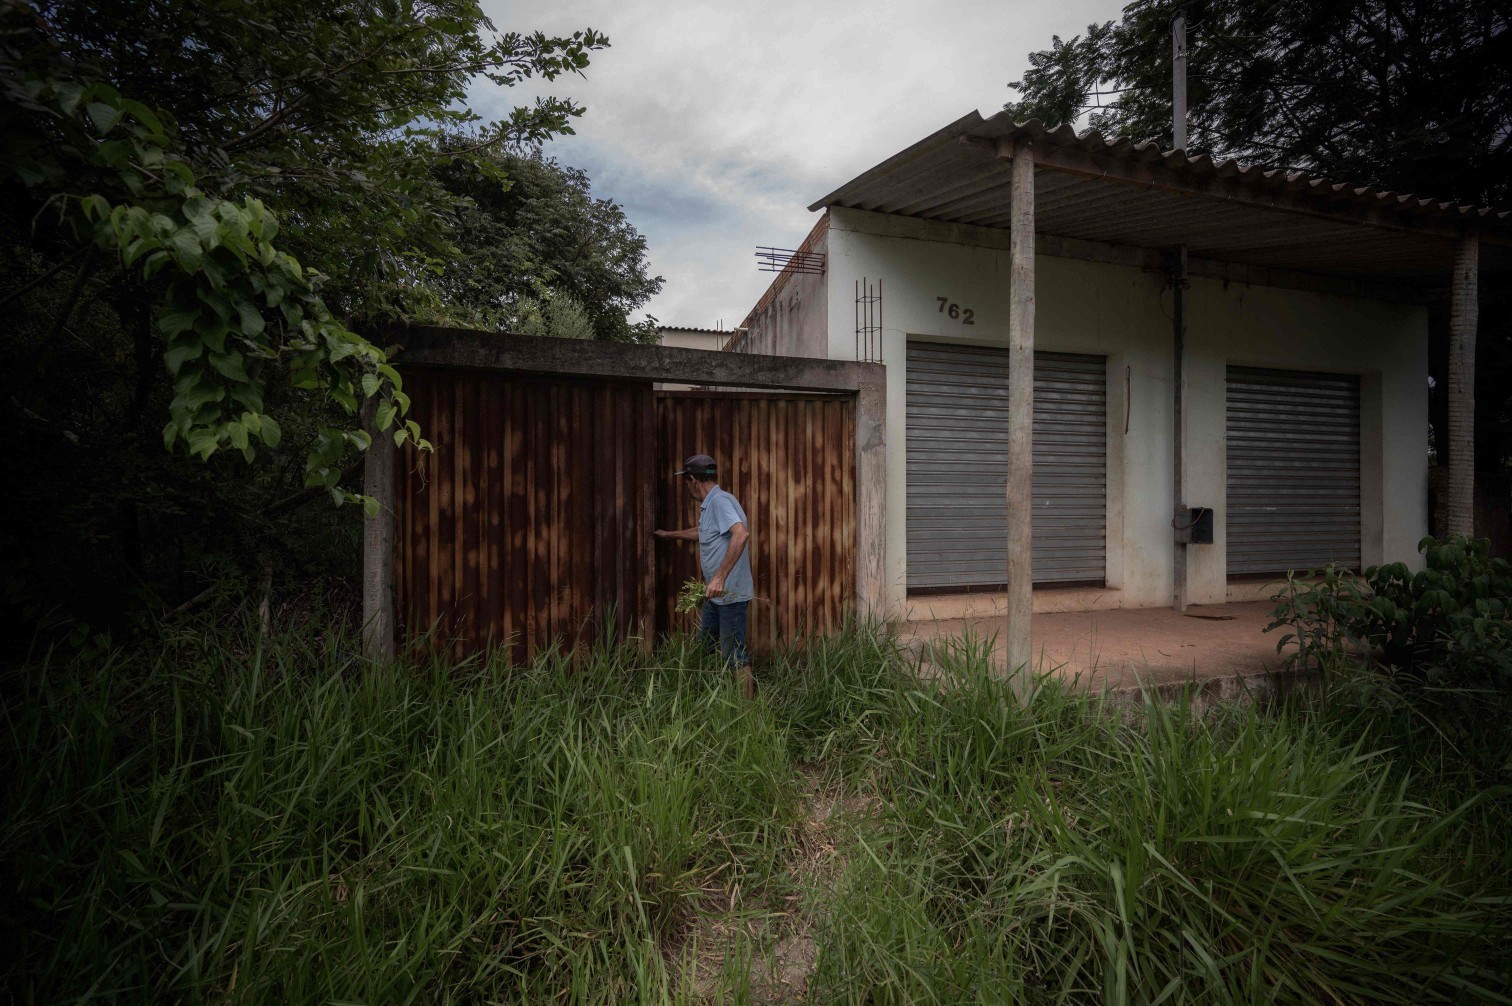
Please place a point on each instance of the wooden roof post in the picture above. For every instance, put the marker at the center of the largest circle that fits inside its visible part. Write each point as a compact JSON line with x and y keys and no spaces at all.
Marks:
{"x":1020,"y":497}
{"x":1459,"y":501}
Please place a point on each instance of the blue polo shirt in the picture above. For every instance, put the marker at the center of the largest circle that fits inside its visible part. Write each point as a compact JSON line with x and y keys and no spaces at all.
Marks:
{"x":719,"y":512}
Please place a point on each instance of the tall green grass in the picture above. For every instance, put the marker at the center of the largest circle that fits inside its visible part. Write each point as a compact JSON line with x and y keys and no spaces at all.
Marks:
{"x":287,"y":825}
{"x":226,"y":818}
{"x":1062,"y":852}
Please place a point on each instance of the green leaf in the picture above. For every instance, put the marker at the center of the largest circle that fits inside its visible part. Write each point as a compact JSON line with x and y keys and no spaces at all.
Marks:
{"x":370,"y":384}
{"x":385,"y":415}
{"x":230,"y":365}
{"x":203,"y":442}
{"x":69,"y":93}
{"x":173,"y":323}
{"x":103,"y":116}
{"x":186,"y":248}
{"x":271,"y":432}
{"x":251,"y":319}
{"x":177,"y":356}
{"x":142,"y":114}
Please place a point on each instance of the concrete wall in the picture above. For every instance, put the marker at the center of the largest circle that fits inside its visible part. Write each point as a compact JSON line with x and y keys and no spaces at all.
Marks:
{"x":1124,"y":313}
{"x":689,"y":338}
{"x":792,"y":317}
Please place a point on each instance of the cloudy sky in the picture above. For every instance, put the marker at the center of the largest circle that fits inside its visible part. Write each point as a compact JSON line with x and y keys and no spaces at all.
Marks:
{"x":715,"y":124}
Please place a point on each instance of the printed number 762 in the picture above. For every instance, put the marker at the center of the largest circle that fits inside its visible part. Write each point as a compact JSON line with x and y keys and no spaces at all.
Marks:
{"x":965,"y":315}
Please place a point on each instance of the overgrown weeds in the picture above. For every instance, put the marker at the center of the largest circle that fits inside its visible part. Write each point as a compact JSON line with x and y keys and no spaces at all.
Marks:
{"x":223,"y":818}
{"x":1429,"y":651}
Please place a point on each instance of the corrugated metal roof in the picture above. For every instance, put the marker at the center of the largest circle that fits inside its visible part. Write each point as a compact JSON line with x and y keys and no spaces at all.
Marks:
{"x":1121,"y":192}
{"x":661,"y":329}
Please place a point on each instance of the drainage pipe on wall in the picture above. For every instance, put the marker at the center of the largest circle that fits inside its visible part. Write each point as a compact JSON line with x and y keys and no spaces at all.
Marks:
{"x":1180,"y":517}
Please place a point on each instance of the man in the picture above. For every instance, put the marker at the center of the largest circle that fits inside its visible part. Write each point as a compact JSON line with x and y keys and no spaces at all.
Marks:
{"x":722,"y":534}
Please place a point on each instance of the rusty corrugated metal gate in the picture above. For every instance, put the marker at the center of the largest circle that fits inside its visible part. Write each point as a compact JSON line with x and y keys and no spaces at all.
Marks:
{"x":531,"y":522}
{"x":532,"y":518}
{"x":790,"y":460}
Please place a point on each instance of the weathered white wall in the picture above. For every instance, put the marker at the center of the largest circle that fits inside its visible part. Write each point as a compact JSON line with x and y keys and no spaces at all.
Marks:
{"x":1124,"y":313}
{"x":792,"y":317}
{"x":790,"y":320}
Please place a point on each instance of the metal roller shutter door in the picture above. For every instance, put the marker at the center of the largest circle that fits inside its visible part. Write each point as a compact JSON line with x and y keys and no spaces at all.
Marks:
{"x":1293,"y":470}
{"x":957,"y":428}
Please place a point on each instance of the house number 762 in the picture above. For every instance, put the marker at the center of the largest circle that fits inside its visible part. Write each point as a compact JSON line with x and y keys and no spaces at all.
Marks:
{"x":965,"y":315}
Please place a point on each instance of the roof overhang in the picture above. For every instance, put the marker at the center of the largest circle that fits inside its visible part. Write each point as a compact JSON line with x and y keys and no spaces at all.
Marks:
{"x":1116,"y":192}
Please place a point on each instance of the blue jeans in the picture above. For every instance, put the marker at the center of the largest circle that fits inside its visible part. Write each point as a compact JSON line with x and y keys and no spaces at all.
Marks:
{"x":723,"y":627}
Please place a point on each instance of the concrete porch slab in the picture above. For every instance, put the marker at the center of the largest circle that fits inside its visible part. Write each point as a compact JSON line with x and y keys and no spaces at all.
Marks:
{"x":1127,"y":647}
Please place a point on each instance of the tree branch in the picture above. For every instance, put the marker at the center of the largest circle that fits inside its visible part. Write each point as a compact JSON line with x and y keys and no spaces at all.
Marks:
{"x":307,"y":494}
{"x":44,"y":277}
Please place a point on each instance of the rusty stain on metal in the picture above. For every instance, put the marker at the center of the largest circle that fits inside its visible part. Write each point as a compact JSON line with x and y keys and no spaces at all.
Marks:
{"x":529,"y":525}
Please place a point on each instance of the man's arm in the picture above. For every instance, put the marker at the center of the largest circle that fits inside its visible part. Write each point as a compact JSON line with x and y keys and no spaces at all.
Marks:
{"x":687,"y":534}
{"x":738,"y":537}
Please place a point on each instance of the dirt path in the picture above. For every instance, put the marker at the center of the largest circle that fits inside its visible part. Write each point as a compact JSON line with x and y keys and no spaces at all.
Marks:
{"x":770,"y":948}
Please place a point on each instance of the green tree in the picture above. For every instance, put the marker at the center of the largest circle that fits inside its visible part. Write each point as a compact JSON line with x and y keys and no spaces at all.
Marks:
{"x":559,"y":317}
{"x":1413,"y":97}
{"x":533,"y":229}
{"x":204,"y":205}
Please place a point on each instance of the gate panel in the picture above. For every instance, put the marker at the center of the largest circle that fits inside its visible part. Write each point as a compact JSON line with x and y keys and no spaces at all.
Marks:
{"x":1293,"y":452}
{"x":957,"y":427}
{"x":529,"y":523}
{"x":790,"y":460}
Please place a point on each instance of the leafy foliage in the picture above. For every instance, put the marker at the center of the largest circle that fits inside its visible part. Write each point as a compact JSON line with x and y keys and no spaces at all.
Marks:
{"x":1447,"y":625}
{"x":1320,"y":608}
{"x":1451,"y":622}
{"x":561,"y":317}
{"x":1413,"y":97}
{"x":223,"y":279}
{"x":690,"y":599}
{"x":204,"y":207}
{"x":536,"y":235}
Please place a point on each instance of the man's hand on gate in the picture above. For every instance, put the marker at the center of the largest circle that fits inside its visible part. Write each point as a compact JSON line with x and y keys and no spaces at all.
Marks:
{"x":716,"y":586}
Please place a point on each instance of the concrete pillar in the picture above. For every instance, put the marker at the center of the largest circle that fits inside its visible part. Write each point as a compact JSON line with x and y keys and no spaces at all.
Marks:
{"x":378,"y":542}
{"x":1459,"y":500}
{"x":871,"y":500}
{"x":1020,"y":497}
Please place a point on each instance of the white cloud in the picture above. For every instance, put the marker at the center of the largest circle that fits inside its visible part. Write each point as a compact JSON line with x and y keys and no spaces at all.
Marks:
{"x":716,"y":124}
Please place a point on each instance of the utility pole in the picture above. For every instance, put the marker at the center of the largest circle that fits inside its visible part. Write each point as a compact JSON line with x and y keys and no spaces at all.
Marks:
{"x":1178,"y":81}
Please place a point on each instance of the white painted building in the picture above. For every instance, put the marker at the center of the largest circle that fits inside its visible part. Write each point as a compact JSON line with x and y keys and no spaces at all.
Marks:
{"x":1305,"y":392}
{"x":693,"y":338}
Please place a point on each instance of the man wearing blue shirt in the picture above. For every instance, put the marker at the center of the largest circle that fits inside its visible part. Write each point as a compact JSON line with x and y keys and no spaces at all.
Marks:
{"x":722,"y":534}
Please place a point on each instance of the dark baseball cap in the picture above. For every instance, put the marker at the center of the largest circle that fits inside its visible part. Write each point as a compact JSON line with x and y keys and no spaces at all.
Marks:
{"x":699,"y":466}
